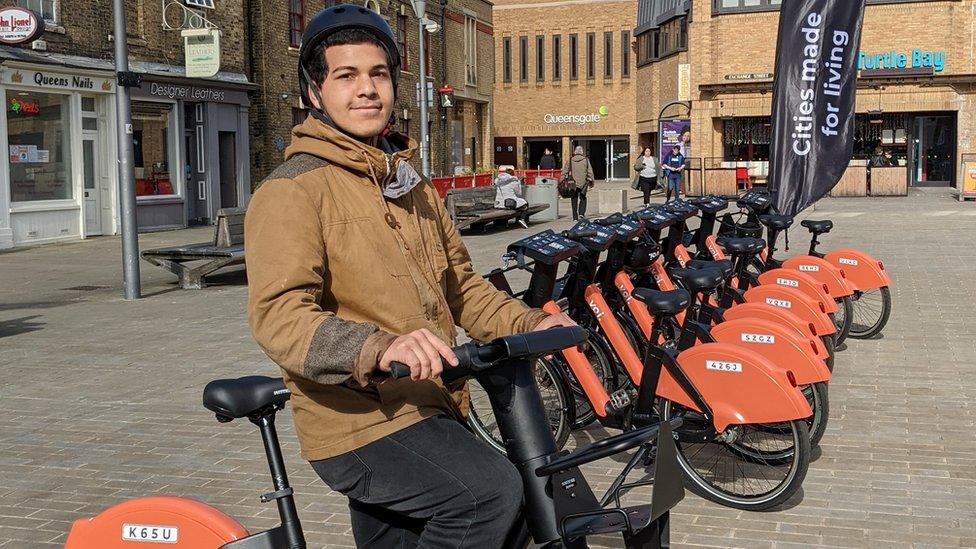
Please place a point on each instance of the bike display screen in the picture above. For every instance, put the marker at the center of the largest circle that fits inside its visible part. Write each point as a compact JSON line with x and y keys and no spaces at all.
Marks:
{"x":628,"y":229}
{"x":655,"y":218}
{"x":758,"y":201}
{"x":547,"y":247}
{"x":712,"y":204}
{"x":605,"y":236}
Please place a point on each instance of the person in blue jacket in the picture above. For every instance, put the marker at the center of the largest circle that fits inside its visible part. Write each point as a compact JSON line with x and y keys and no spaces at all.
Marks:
{"x":674,"y":165}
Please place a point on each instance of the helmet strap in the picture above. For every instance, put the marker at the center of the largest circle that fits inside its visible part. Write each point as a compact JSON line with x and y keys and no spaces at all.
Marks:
{"x":317,"y":112}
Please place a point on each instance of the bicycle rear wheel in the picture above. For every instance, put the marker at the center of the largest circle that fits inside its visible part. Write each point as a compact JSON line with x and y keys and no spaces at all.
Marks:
{"x":716,"y":469}
{"x":871,"y":310}
{"x":556,"y":399}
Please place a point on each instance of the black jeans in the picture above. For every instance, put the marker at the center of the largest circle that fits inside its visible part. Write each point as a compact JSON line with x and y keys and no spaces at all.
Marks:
{"x":432,"y":484}
{"x":646,"y":185}
{"x":579,"y":202}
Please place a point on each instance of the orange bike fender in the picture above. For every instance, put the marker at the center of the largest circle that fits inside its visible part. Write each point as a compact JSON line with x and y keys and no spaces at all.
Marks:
{"x":741,"y":386}
{"x":166,"y":520}
{"x":824,"y":271}
{"x":792,"y":278}
{"x":781,"y":317}
{"x":781,"y":346}
{"x":798,"y":303}
{"x":866,"y":272}
{"x":582,"y":370}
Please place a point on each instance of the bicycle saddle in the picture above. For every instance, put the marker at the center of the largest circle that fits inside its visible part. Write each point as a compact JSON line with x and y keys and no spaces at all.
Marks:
{"x":744,"y":245}
{"x":724,"y":265}
{"x":696,"y":280}
{"x":818,"y":227}
{"x":236,"y":398}
{"x":663,"y":303}
{"x":777,"y":222}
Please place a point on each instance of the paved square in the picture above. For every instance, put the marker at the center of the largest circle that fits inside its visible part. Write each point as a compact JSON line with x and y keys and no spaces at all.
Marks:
{"x":101,"y":397}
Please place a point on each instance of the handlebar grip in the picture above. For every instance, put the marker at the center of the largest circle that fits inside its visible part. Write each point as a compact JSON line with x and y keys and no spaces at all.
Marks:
{"x":399,"y":370}
{"x":579,"y":235}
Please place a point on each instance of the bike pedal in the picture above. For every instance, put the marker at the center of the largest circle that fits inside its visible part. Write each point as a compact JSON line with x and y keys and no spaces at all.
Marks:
{"x":620,"y":399}
{"x":277,"y":495}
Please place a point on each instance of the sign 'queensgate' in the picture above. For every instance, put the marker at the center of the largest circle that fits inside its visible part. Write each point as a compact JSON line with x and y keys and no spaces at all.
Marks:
{"x":580,"y":119}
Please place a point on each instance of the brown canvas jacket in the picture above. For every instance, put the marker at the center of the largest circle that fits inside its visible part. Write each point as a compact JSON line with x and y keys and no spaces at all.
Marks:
{"x":336,"y":271}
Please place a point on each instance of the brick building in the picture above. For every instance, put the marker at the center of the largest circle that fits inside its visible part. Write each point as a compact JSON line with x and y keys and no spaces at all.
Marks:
{"x":459,"y":55}
{"x":58,"y":92}
{"x":565,"y":77}
{"x":916,"y":96}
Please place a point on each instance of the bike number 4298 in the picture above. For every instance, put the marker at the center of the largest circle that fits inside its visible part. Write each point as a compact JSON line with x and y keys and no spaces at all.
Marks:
{"x":150,"y":533}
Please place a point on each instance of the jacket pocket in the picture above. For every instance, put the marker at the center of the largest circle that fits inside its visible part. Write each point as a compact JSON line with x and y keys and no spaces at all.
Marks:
{"x":356,"y":242}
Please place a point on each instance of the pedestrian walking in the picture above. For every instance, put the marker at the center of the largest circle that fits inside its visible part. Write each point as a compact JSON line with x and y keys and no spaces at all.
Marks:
{"x":581,"y":170}
{"x":646,"y":178}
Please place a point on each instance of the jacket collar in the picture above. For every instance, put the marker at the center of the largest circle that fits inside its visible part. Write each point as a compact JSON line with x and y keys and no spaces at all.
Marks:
{"x":379,"y":163}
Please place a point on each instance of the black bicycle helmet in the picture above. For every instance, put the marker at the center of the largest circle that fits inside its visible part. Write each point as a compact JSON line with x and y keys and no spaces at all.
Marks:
{"x":332,"y":20}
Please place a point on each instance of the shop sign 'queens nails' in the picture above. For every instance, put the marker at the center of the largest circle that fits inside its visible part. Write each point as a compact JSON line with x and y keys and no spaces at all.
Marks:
{"x":18,"y":25}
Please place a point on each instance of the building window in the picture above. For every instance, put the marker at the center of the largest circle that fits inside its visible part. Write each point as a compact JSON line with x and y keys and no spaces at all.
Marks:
{"x":573,"y":57}
{"x":153,"y":140}
{"x":672,"y":37}
{"x":470,"y":51}
{"x":402,"y":42}
{"x":507,"y":59}
{"x":296,"y":22}
{"x":47,"y":9}
{"x":607,"y":55}
{"x":540,"y":58}
{"x":557,"y":54}
{"x":39,"y":138}
{"x":523,"y":58}
{"x":625,"y":54}
{"x":590,"y":55}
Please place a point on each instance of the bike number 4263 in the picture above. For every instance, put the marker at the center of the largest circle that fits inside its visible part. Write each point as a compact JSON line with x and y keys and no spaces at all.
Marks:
{"x":150,"y":533}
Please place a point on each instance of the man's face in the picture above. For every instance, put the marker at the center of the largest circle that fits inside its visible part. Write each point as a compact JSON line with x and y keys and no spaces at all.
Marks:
{"x":357,"y":89}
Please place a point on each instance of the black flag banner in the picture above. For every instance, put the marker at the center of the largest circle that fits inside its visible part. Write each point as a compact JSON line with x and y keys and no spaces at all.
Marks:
{"x":813,"y":99}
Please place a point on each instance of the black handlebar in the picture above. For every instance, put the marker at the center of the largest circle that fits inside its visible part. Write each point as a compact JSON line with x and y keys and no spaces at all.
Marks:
{"x":578,"y":235}
{"x":478,"y":357}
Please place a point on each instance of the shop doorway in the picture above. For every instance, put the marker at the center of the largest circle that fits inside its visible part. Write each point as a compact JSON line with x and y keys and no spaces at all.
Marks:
{"x":933,"y":151}
{"x":227,"y":145}
{"x":609,"y":156}
{"x":194,"y":168}
{"x":536,"y":148}
{"x":93,"y":195}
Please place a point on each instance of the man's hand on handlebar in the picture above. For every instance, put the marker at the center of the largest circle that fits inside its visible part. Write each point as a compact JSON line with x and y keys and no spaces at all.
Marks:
{"x":551,"y":321}
{"x":422,"y":351}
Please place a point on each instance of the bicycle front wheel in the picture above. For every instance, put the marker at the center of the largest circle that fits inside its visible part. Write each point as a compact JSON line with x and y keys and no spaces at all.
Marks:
{"x":556,"y":401}
{"x":743,"y":467}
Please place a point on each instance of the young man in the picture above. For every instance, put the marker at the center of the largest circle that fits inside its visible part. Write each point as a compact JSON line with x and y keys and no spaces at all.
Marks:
{"x":353,"y":263}
{"x":673,"y":165}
